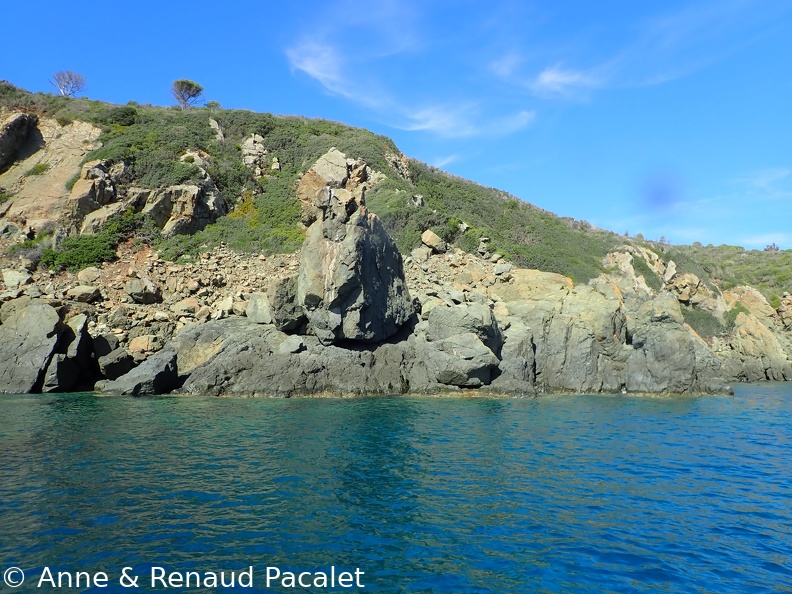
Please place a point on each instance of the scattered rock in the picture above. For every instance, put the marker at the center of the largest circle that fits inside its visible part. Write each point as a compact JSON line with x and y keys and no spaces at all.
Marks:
{"x":258,"y":309}
{"x":430,"y":239}
{"x":89,"y":275}
{"x":142,"y":290}
{"x":116,"y":363}
{"x":84,"y":294}
{"x":13,"y":279}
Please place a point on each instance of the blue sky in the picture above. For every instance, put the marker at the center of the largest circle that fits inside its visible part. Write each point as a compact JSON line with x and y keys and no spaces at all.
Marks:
{"x":665,"y":118}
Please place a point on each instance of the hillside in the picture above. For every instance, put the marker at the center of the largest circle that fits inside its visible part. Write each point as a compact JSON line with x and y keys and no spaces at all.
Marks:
{"x":158,"y":147}
{"x":232,"y":252}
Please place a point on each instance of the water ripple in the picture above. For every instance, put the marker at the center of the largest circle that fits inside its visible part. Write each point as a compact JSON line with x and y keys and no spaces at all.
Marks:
{"x":560,"y":494}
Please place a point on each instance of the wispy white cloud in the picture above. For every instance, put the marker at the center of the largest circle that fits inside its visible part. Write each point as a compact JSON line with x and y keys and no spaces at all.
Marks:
{"x":465,"y":121}
{"x":559,"y":81}
{"x":328,"y":65}
{"x":765,"y":179}
{"x":662,"y":49}
{"x":320,"y":61}
{"x":351,"y":70}
{"x":444,"y":161}
{"x":442,"y":120}
{"x":509,"y":124}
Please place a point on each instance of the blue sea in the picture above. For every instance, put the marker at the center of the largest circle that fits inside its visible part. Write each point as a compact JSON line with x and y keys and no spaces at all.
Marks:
{"x":457,"y":495}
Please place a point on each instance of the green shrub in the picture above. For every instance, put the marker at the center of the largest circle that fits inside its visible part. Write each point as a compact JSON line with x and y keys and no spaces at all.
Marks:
{"x":120,"y":116}
{"x":265,"y":223}
{"x":703,"y":322}
{"x":64,"y":120}
{"x":642,"y":268}
{"x":731,"y":315}
{"x":72,"y":180}
{"x":80,"y":251}
{"x":38,"y":169}
{"x":3,"y":197}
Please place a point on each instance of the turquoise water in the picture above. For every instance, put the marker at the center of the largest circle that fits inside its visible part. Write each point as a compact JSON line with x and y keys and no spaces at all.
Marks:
{"x":559,"y":494}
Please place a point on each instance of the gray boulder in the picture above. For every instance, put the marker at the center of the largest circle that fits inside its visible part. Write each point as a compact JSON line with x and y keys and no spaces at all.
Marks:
{"x":142,"y":290}
{"x":62,"y":374}
{"x":460,"y":360}
{"x":14,"y":279}
{"x":115,"y":363}
{"x":580,"y":348}
{"x":156,"y":375}
{"x":105,"y":344}
{"x":445,"y":322}
{"x":14,"y":130}
{"x":258,"y":309}
{"x":287,"y":313}
{"x":518,"y":360}
{"x":351,"y":283}
{"x":28,"y":341}
{"x":84,"y":293}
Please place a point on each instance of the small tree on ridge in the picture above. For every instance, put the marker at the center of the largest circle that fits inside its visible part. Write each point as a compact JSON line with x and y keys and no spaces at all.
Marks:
{"x":68,"y":83}
{"x":186,"y":92}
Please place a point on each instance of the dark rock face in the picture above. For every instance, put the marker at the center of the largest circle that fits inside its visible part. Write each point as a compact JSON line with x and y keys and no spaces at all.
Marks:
{"x":667,"y":357}
{"x":351,"y":284}
{"x":156,"y":375}
{"x":287,"y":314}
{"x":445,"y":322}
{"x":235,"y":356}
{"x":460,"y":360}
{"x":28,"y":342}
{"x":13,"y":133}
{"x":116,"y":363}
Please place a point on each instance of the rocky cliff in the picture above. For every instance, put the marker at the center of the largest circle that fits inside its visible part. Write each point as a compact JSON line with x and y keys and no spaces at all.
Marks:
{"x":348,"y":314}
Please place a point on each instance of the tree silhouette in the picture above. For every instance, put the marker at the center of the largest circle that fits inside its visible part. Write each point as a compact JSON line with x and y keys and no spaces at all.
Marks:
{"x":186,"y":92}
{"x":68,"y":83}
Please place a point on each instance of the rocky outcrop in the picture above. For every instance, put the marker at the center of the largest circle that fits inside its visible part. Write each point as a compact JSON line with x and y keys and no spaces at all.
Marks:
{"x":351,"y":284}
{"x":254,"y":154}
{"x":667,"y":356}
{"x":785,"y":311}
{"x":755,"y":353}
{"x":96,"y":189}
{"x":752,"y":300}
{"x":235,"y":356}
{"x":14,"y":131}
{"x":186,"y":208}
{"x":44,"y":349}
{"x":335,"y":171}
{"x":103,"y":191}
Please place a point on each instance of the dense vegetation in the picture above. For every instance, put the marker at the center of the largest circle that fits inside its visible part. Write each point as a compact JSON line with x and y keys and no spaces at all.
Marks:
{"x":728,"y":266}
{"x":266,"y":215}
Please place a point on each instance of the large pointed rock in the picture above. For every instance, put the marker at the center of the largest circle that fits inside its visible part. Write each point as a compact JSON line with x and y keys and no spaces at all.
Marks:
{"x":28,"y":341}
{"x":351,"y":284}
